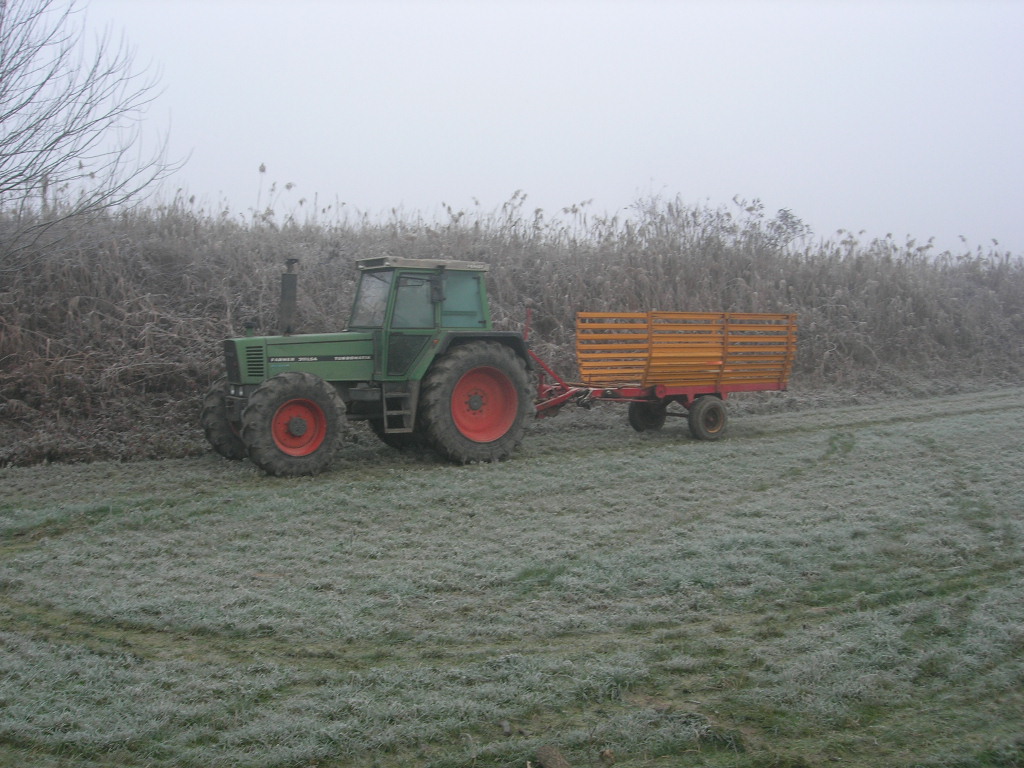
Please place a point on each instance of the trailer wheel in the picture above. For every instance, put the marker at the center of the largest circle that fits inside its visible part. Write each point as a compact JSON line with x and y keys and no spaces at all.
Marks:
{"x":707,"y":418}
{"x":293,"y":424}
{"x":475,"y":401}
{"x":646,"y":416}
{"x":222,"y":434}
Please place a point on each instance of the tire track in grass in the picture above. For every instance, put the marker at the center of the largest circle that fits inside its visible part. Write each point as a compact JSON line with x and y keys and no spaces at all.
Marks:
{"x":909,"y":411}
{"x":719,"y":644}
{"x":708,"y":680}
{"x":818,"y":604}
{"x":843,"y":439}
{"x":839,"y":445}
{"x":844,"y":422}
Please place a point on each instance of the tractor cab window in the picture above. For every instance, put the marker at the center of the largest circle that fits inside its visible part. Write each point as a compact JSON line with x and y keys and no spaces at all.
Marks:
{"x":462,"y":303}
{"x":371,"y":300}
{"x":413,"y":305}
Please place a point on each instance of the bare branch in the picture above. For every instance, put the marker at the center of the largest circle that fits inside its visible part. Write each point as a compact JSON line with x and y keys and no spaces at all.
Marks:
{"x":70,"y":115}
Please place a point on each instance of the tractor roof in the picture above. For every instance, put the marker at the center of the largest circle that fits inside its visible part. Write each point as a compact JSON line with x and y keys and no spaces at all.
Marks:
{"x":383,"y":262}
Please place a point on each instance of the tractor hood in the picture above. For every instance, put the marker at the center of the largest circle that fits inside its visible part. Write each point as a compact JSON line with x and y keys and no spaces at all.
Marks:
{"x":346,"y":356}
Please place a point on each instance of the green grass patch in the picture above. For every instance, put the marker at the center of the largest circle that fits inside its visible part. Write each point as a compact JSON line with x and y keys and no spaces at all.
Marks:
{"x":825,"y":585}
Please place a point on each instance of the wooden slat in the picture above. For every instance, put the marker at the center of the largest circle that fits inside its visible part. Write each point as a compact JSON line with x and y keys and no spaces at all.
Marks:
{"x":685,"y":348}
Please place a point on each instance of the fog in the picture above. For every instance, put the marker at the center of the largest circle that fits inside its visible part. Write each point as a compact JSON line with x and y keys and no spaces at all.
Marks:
{"x":899,"y":117}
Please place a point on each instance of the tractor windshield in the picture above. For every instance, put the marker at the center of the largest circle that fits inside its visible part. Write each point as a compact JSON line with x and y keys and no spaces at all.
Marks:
{"x":371,"y":300}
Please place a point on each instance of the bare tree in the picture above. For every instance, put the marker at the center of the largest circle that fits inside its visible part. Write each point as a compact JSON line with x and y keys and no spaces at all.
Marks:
{"x":70,"y":117}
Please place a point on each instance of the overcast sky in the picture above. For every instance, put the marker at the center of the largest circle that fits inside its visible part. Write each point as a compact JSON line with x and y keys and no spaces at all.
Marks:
{"x":894,"y":117}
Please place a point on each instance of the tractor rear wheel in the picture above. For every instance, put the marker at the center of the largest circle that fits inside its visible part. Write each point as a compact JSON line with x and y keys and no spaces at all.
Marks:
{"x":646,"y":416}
{"x":475,"y":401}
{"x":707,"y":418}
{"x":222,"y":434}
{"x":293,"y":424}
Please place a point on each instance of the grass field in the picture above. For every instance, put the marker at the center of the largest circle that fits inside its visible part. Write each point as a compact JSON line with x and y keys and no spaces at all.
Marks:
{"x":828,"y":586}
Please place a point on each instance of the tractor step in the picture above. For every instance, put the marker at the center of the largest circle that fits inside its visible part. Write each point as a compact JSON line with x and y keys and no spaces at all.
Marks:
{"x":398,"y":401}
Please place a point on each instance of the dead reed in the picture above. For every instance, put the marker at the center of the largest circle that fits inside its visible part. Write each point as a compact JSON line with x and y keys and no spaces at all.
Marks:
{"x":118,"y":322}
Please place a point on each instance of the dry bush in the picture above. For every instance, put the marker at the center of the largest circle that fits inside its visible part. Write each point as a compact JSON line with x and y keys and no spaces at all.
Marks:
{"x":116,"y":327}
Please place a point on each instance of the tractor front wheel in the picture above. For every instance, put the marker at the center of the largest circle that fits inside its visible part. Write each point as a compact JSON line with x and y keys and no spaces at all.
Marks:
{"x":707,"y":418}
{"x":293,"y":424}
{"x":475,"y":401}
{"x":222,"y":434}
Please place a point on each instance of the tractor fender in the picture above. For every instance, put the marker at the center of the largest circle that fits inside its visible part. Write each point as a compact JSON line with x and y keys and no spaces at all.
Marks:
{"x":508,"y":338}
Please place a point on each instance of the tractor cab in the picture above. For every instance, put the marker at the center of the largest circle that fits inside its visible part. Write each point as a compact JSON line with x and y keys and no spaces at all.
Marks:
{"x":414,"y":294}
{"x":407,"y":304}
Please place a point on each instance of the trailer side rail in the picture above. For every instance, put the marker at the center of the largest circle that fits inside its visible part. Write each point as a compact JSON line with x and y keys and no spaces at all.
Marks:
{"x":728,"y":351}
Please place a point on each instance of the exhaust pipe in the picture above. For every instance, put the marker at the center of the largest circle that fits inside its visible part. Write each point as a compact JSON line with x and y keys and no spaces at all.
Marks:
{"x":289,"y":293}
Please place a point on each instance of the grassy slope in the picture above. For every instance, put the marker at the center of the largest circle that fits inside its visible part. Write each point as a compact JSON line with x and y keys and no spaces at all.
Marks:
{"x":832,"y":585}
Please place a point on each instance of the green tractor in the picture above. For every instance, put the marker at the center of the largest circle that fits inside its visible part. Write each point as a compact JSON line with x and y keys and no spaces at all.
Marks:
{"x":419,"y":362}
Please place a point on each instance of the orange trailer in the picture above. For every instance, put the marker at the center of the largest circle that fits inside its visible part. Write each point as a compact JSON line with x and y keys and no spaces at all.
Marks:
{"x":653,"y":359}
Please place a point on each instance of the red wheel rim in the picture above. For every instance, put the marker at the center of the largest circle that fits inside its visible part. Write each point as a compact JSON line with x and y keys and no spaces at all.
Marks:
{"x":299,"y":427}
{"x":484,"y":404}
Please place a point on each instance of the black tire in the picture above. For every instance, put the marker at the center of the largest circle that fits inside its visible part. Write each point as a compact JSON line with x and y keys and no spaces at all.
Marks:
{"x":475,"y":401}
{"x":224,"y":435}
{"x":647,"y":416}
{"x":708,"y":418}
{"x":293,"y":424}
